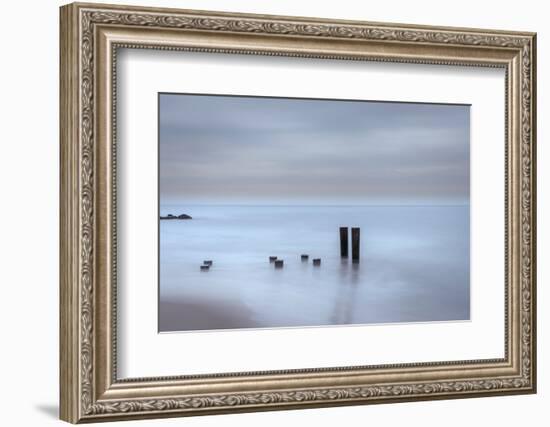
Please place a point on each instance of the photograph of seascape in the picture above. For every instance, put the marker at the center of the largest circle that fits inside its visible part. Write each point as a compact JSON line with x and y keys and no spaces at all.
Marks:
{"x":294,"y":212}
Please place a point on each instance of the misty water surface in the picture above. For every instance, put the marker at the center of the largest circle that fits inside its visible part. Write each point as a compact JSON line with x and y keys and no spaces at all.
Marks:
{"x":414,"y":266}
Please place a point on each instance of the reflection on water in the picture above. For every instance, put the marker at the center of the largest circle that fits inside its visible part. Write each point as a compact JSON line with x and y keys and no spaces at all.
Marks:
{"x":414,"y":266}
{"x":344,"y":306}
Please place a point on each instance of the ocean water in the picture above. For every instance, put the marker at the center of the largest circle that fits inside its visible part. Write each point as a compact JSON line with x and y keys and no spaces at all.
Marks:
{"x":414,"y":266}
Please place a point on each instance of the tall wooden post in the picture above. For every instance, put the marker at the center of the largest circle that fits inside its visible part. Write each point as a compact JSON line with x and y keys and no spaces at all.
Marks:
{"x":344,"y":242}
{"x":355,"y":243}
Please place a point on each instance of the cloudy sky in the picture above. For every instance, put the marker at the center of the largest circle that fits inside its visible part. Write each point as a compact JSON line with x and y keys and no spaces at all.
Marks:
{"x":229,"y":149}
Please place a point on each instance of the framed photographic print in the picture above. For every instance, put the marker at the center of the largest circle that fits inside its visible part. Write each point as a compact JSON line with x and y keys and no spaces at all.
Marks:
{"x":258,"y":190}
{"x":266,"y":212}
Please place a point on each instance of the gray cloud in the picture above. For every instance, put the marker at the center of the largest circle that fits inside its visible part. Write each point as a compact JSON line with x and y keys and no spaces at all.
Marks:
{"x":277,"y":149}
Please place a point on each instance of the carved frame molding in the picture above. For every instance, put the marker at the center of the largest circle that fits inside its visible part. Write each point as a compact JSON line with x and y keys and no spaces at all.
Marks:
{"x":90,"y":37}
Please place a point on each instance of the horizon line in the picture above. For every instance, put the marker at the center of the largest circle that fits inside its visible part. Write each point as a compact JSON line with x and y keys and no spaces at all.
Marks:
{"x":319,"y":205}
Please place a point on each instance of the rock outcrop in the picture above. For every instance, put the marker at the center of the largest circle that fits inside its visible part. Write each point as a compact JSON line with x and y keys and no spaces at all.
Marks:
{"x":182,"y":216}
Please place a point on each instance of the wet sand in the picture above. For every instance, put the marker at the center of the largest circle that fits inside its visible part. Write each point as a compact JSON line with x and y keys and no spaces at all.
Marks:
{"x":195,"y":315}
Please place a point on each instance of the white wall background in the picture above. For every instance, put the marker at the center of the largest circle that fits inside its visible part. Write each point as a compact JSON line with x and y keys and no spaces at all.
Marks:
{"x":29,"y":171}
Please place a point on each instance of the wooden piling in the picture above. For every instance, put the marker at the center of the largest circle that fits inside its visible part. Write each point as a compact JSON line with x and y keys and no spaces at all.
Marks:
{"x":344,"y":242}
{"x":355,"y":243}
{"x":279,"y":263}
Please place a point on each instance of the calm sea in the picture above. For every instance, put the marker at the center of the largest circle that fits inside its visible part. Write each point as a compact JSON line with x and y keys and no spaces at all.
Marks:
{"x":414,"y":267}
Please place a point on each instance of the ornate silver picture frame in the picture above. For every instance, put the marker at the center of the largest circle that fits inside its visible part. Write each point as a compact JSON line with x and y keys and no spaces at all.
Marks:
{"x":91,"y":37}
